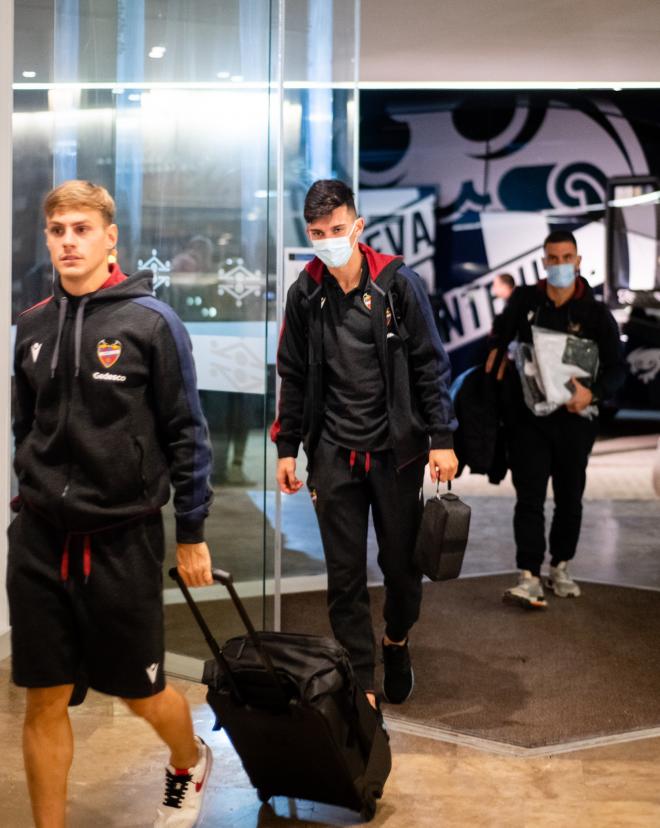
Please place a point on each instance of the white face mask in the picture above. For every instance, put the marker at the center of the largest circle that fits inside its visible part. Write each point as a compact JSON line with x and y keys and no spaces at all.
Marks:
{"x":335,"y":252}
{"x":561,"y":275}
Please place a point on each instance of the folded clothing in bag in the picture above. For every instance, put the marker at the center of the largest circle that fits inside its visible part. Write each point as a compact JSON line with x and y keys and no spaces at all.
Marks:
{"x":443,"y":536}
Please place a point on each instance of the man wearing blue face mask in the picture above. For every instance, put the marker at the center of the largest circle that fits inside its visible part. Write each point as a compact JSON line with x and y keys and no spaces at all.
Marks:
{"x":555,"y":446}
{"x":365,"y":390}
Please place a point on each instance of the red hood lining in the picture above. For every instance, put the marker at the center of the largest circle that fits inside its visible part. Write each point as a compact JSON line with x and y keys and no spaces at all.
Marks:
{"x":116,"y":276}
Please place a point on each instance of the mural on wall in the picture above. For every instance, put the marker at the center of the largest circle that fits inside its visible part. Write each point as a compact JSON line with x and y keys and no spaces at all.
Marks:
{"x":400,"y":221}
{"x":507,"y":168}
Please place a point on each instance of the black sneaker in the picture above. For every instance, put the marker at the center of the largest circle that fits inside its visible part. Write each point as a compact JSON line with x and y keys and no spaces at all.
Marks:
{"x":399,"y":679}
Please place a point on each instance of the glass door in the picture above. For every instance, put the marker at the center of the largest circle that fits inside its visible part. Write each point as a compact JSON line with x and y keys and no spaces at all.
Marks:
{"x":168,"y":105}
{"x":207,"y":121}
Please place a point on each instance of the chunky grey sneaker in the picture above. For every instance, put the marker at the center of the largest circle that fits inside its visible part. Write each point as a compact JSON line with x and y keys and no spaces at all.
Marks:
{"x":184,"y":792}
{"x":561,"y":583}
{"x":528,"y":592}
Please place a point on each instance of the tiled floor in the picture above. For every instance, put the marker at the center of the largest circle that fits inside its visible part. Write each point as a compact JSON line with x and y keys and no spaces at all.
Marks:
{"x":116,"y":778}
{"x":116,"y":781}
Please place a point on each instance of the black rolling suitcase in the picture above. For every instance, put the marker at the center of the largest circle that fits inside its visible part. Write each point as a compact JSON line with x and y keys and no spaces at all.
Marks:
{"x":294,"y":713}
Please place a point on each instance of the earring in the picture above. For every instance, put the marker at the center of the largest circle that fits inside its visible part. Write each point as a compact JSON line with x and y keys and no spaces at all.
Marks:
{"x":112,"y":256}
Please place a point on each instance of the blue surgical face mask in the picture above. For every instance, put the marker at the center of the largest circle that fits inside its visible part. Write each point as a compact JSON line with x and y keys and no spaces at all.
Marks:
{"x":561,"y":275}
{"x":335,"y":252}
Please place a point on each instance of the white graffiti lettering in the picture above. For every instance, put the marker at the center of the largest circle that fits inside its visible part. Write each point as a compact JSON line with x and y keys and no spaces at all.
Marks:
{"x":644,"y":364}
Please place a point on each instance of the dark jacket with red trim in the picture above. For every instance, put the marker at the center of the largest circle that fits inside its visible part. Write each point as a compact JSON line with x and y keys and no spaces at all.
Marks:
{"x":583,"y":315}
{"x":413,"y":362}
{"x":106,"y":410}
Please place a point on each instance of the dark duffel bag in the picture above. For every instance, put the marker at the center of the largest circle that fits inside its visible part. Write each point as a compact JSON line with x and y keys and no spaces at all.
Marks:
{"x":442,"y":536}
{"x":295,"y":715}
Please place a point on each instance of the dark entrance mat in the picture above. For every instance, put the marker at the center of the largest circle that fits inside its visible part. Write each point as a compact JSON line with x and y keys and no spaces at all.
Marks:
{"x":583,"y":668}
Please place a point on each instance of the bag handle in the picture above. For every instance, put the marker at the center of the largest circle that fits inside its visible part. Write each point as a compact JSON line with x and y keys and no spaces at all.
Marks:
{"x":437,"y":488}
{"x":227,"y":581}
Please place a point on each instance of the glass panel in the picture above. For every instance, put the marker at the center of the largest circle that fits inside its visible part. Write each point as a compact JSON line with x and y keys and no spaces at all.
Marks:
{"x":319,"y":134}
{"x":175,"y":108}
{"x":167,"y":104}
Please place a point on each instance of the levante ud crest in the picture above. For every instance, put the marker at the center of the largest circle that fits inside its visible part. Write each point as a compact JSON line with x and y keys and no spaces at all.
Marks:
{"x":108,"y":351}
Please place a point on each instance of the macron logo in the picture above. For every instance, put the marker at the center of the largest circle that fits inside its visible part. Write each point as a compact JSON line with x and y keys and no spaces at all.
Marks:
{"x":152,"y":672}
{"x":34,"y":350}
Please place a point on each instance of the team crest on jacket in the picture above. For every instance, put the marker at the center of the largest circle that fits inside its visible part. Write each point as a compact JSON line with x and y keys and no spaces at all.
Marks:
{"x":366,"y":298}
{"x":108,"y":352}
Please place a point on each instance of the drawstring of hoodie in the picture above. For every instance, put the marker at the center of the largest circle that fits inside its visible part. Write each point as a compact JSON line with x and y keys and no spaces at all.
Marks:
{"x":77,"y":333}
{"x":60,"y":327}
{"x":86,"y":558}
{"x":352,"y":458}
{"x":64,"y":564}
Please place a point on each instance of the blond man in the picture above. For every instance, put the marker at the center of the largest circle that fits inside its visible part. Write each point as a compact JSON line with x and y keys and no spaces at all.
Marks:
{"x":106,"y":417}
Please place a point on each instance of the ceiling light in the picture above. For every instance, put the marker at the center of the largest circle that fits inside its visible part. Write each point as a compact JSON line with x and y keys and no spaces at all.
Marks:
{"x":157,"y":52}
{"x":29,"y":74}
{"x":223,"y":75}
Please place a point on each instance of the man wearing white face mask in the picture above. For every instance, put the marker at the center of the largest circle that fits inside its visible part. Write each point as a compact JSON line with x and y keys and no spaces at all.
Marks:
{"x":365,"y":390}
{"x":558,"y":445}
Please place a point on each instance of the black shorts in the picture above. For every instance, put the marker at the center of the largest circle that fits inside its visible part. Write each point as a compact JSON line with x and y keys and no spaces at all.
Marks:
{"x":105,"y":628}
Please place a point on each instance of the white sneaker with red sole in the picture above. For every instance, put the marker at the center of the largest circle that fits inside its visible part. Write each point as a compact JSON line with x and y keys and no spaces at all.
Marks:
{"x":184,"y":792}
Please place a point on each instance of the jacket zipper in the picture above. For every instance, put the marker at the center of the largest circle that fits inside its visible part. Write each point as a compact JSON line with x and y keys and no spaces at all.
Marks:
{"x":68,"y":393}
{"x":139,"y":456}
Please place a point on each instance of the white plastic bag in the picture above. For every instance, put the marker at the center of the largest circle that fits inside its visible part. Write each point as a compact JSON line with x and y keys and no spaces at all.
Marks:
{"x":546,"y":369}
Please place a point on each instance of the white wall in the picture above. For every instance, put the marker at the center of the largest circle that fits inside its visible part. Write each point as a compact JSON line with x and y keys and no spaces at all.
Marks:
{"x":6,"y":70}
{"x":509,"y":40}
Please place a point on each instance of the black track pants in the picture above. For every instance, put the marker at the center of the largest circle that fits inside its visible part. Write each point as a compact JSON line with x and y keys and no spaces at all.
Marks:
{"x":344,"y":485}
{"x":542,"y":448}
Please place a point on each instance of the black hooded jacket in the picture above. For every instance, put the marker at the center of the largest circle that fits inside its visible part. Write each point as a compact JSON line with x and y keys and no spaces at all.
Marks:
{"x":106,"y":410}
{"x":411,"y":358}
{"x":582,"y":316}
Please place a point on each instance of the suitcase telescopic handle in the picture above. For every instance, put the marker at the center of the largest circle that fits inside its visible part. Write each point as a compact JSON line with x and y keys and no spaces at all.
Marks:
{"x":227,"y":581}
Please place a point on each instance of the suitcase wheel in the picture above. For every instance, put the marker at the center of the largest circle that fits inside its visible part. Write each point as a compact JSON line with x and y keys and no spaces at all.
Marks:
{"x":264,"y":796}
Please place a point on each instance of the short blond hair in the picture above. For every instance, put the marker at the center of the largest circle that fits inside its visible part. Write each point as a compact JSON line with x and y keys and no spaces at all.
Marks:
{"x":81,"y":195}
